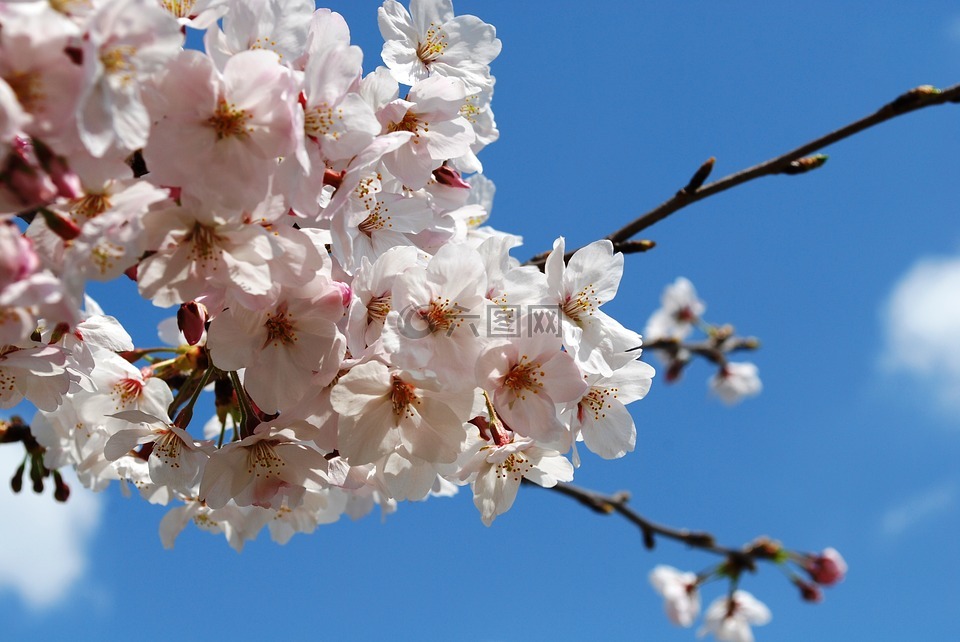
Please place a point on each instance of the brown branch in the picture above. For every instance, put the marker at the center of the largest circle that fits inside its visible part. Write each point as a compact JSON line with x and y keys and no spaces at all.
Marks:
{"x":796,"y":161}
{"x":744,"y":557}
{"x":714,"y":350}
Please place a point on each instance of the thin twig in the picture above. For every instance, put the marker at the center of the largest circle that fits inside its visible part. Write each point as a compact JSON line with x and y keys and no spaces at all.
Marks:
{"x":744,"y":557}
{"x":796,"y":161}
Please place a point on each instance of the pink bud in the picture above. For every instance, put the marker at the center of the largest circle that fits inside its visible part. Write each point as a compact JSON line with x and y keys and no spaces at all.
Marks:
{"x":827,"y":568}
{"x":450,"y":177}
{"x":66,"y":180}
{"x":29,"y":185}
{"x":332,"y":178}
{"x":191,"y":319}
{"x":346,"y":294}
{"x":18,"y":260}
{"x":809,"y":592}
{"x":60,"y":224}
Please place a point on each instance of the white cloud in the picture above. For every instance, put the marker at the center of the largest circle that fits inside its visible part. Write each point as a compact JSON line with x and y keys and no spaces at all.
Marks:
{"x":45,"y":542}
{"x":922,"y":320}
{"x":919,"y":508}
{"x":953,"y":29}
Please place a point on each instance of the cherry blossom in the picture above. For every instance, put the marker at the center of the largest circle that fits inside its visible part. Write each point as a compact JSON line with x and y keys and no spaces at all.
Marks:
{"x":381,"y":411}
{"x":264,"y":469}
{"x":219,"y":134}
{"x":126,"y":42}
{"x":283,"y":345}
{"x":37,"y":373}
{"x":175,"y":459}
{"x":528,"y":377}
{"x":729,"y":618}
{"x":431,"y":40}
{"x":736,"y":381}
{"x":495,"y":471}
{"x":601,"y":417}
{"x":431,"y":113}
{"x":436,"y":316}
{"x":681,"y":599}
{"x":598,"y":343}
{"x":679,"y":311}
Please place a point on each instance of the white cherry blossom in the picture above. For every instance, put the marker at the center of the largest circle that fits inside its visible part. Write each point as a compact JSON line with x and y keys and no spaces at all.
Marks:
{"x":381,"y":411}
{"x":598,"y":342}
{"x":681,"y":599}
{"x":496,"y":471}
{"x":735,"y":381}
{"x":729,"y":618}
{"x":282,"y":345}
{"x":528,"y":377}
{"x":430,"y":40}
{"x":680,"y":309}
{"x":431,"y":112}
{"x":436,"y":319}
{"x":601,"y":417}
{"x":125,"y":43}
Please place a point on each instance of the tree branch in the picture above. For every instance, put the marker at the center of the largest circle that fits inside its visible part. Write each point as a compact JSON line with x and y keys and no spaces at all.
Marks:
{"x":744,"y":557}
{"x":796,"y":161}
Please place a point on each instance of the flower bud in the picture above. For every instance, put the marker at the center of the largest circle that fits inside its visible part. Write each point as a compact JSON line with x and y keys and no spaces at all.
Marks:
{"x":346,"y":293}
{"x":18,"y":259}
{"x":65,"y":179}
{"x":827,"y":568}
{"x":61,"y":491}
{"x":809,"y":592}
{"x":446,"y":175}
{"x":191,"y":319}
{"x":60,"y":225}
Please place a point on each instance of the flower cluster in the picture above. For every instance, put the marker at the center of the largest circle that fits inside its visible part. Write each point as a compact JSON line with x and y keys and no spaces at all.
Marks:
{"x":667,"y":331}
{"x":368,"y":339}
{"x":729,"y":617}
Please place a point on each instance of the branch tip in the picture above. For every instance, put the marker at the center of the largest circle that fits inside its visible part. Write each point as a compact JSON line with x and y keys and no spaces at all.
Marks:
{"x":699,"y":177}
{"x":914,"y":96}
{"x":633,"y":247}
{"x":805,"y":164}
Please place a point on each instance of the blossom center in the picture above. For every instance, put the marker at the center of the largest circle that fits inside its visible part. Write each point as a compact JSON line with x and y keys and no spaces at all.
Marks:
{"x":376,"y":220}
{"x":409,"y":123}
{"x":203,"y":239}
{"x":126,"y":391}
{"x":433,"y":44}
{"x":167,"y":448}
{"x":582,"y":303}
{"x":441,"y":315}
{"x":179,"y":8}
{"x":320,"y":120}
{"x":280,"y":328}
{"x":28,"y":89}
{"x":68,"y":7}
{"x":596,"y":401}
{"x":402,"y":396}
{"x":118,"y":61}
{"x":515,"y":466}
{"x":91,"y":205}
{"x":379,"y":307}
{"x":229,"y":121}
{"x":263,"y":460}
{"x":524,"y":376}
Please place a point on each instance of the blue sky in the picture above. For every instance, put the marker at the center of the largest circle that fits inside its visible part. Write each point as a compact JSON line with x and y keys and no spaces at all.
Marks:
{"x":850,"y":276}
